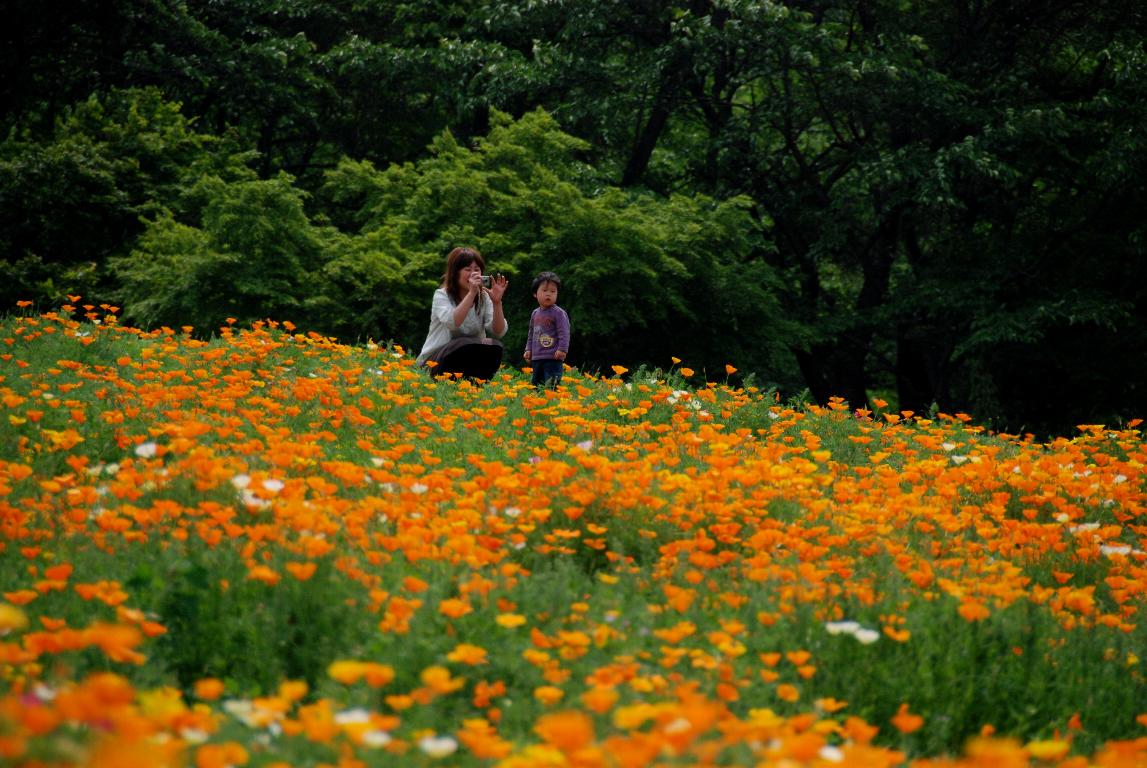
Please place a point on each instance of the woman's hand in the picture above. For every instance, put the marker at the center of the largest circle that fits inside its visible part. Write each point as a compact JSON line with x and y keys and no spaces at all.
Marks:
{"x":474,"y":283}
{"x":497,"y":288}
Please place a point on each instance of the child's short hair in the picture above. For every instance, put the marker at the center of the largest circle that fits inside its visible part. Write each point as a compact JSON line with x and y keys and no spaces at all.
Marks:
{"x":545,"y":277}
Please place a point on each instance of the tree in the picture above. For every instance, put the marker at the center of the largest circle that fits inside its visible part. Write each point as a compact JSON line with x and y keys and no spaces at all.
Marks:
{"x":937,"y":183}
{"x":70,"y":202}
{"x":54,"y":57}
{"x":249,"y":258}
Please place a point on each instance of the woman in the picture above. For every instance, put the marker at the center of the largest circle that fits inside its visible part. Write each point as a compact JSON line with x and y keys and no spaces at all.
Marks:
{"x":466,"y":319}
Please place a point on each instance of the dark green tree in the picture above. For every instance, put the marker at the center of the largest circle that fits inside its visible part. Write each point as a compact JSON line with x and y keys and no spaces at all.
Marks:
{"x":71,"y":201}
{"x":949,"y":187}
{"x":54,"y":56}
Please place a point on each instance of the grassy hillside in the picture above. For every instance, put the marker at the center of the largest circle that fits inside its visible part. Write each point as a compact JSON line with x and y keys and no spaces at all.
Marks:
{"x":274,"y":549}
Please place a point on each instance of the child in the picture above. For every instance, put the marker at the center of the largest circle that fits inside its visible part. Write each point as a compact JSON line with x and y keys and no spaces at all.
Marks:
{"x":548,"y":337}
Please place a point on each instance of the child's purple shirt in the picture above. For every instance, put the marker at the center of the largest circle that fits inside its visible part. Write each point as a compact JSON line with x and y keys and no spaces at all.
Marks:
{"x":549,"y":331}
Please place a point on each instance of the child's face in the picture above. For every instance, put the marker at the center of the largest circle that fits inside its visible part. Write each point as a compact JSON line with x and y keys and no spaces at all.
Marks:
{"x":547,"y":294}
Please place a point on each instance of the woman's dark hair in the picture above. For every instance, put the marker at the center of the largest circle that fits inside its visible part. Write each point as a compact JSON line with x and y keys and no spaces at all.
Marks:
{"x":545,"y":277}
{"x":456,"y":261}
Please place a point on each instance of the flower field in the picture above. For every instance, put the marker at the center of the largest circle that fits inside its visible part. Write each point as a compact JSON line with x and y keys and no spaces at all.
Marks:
{"x":273,"y":549}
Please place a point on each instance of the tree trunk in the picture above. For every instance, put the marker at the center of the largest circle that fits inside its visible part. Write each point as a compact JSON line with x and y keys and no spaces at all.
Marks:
{"x":921,"y":368}
{"x":647,"y":141}
{"x":663,"y":103}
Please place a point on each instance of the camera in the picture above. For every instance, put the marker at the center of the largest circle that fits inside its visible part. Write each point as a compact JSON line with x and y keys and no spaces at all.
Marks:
{"x":487,"y":281}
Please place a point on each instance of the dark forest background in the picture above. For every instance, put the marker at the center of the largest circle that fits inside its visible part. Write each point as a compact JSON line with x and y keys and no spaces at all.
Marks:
{"x":942,"y":203}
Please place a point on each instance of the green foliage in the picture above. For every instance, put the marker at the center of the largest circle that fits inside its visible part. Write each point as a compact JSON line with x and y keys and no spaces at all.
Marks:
{"x":250,"y":258}
{"x":218,"y":623}
{"x":969,"y":673}
{"x":70,"y":203}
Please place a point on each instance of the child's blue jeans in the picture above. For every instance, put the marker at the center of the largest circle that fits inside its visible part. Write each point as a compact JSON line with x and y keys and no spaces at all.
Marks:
{"x":547,"y":373}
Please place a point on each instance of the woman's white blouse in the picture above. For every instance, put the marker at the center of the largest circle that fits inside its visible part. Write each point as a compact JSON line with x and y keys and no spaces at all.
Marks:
{"x":442,"y":328}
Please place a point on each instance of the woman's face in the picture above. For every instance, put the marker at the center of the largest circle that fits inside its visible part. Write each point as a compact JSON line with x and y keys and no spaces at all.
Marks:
{"x":464,"y":275}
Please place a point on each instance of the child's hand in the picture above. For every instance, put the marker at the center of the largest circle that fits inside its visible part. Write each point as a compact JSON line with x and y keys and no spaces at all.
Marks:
{"x":526,"y":355}
{"x":559,"y":355}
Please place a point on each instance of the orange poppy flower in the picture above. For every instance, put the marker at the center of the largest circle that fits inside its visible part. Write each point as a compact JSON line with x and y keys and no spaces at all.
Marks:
{"x":905,"y":721}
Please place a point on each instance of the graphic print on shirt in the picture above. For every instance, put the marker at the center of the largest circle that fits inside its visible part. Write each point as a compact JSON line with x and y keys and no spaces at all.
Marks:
{"x":545,"y":331}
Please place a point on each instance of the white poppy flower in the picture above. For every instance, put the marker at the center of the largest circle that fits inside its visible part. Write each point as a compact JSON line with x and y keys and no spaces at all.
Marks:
{"x":438,"y":746}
